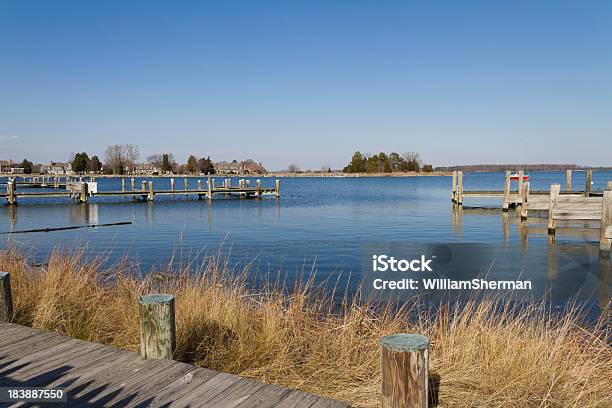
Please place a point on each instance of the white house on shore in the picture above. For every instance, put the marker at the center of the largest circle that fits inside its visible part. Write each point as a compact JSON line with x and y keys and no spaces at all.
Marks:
{"x":146,"y":168}
{"x":57,"y":168}
{"x":8,"y":167}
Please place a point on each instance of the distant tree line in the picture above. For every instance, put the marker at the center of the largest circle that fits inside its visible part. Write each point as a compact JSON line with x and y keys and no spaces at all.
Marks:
{"x":502,"y":167}
{"x":385,"y":163}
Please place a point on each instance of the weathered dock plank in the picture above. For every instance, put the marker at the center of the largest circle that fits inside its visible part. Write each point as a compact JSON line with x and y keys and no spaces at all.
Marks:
{"x":96,"y":375}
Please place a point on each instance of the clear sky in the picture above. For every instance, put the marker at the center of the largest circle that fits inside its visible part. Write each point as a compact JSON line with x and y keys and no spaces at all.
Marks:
{"x":309,"y":82}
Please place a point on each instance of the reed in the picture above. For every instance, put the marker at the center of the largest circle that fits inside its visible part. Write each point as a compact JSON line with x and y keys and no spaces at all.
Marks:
{"x":490,"y":353}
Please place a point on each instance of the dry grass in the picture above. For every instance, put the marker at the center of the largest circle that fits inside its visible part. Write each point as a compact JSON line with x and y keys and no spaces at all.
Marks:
{"x":484,"y":355}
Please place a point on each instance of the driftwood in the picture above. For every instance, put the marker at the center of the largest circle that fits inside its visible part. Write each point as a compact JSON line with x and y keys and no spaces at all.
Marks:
{"x":67,"y":228}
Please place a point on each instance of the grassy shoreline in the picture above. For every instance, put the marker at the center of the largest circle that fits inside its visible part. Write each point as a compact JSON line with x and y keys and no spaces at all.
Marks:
{"x":486,"y":354}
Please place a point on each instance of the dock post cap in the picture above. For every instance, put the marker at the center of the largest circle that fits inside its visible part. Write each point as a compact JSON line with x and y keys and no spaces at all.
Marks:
{"x":405,"y":342}
{"x":155,"y":298}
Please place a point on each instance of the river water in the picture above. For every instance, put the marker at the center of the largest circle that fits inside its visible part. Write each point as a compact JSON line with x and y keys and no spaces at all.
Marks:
{"x":321,"y":224}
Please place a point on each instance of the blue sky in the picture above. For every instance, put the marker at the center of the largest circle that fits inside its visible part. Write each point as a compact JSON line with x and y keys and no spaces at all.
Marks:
{"x":309,"y":82}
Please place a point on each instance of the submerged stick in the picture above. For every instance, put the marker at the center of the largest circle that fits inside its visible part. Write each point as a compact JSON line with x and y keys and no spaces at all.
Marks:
{"x":67,"y":228}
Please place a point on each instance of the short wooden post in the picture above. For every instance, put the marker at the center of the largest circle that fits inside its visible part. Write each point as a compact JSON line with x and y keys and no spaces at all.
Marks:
{"x":277,"y":188}
{"x":83,"y":195}
{"x":568,"y":180}
{"x":171,"y":183}
{"x":6,"y":298}
{"x":144,"y":185}
{"x":229,"y":183}
{"x":185,"y":184}
{"x":506,"y":204}
{"x":213,"y":183}
{"x":519,"y":190}
{"x":605,"y":236}
{"x":552,"y":203}
{"x":157,"y":326}
{"x":587,"y":187}
{"x":454,"y":186}
{"x":122,"y":184}
{"x":57,"y":182}
{"x":404,"y":360}
{"x":133,"y":184}
{"x":525,"y":201}
{"x":258,"y":188}
{"x":460,"y":187}
{"x":151,"y":193}
{"x":199,"y":185}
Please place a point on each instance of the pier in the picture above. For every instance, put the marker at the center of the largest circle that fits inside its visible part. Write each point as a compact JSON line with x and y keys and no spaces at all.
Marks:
{"x":556,"y":205}
{"x":82,"y":191}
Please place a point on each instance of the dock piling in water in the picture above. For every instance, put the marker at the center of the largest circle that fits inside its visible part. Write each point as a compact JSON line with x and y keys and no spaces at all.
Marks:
{"x":605,"y":235}
{"x":404,"y":366}
{"x":587,"y":187}
{"x":568,"y":180}
{"x":506,"y":202}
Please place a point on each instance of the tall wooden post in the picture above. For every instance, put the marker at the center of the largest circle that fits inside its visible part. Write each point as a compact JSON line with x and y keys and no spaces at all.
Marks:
{"x":157,"y":326}
{"x":404,"y":360}
{"x":460,"y":187}
{"x":133,"y":184}
{"x":552,"y":203}
{"x":6,"y":298}
{"x":185,"y":183}
{"x":605,"y":236}
{"x":229,"y":183}
{"x":122,"y":184}
{"x":277,"y":188}
{"x":258,"y":188}
{"x":213,"y":183}
{"x":519,"y":191}
{"x":171,"y":183}
{"x":454,"y":186}
{"x":587,"y":187}
{"x":568,"y":180}
{"x":199,"y":185}
{"x":57,"y":182}
{"x":208,"y":189}
{"x":10,"y":192}
{"x":143,"y":185}
{"x":525,"y":196}
{"x":506,"y":203}
{"x":151,"y":193}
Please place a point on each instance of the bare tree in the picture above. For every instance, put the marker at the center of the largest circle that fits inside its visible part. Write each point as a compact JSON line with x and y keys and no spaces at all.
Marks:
{"x":156,"y":160}
{"x":121,"y":158}
{"x":293,"y":168}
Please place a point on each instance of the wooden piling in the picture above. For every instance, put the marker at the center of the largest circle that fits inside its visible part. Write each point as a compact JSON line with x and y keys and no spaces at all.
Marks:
{"x":6,"y":298}
{"x":209,"y":189}
{"x":568,"y":180}
{"x":587,"y":186}
{"x":454,"y":186}
{"x":10,"y":192}
{"x":143,"y":185}
{"x":552,"y":203}
{"x":525,"y":199}
{"x":157,"y":326}
{"x":277,"y":188}
{"x":133,"y":184}
{"x":519,"y":191}
{"x":122,"y":184}
{"x":200,"y":185}
{"x":171,"y":183}
{"x":185,"y":183}
{"x":404,"y":360}
{"x":258,"y":188}
{"x":609,"y":185}
{"x":460,"y":187}
{"x":506,"y":203}
{"x":605,"y":236}
{"x":83,"y":195}
{"x":151,"y":193}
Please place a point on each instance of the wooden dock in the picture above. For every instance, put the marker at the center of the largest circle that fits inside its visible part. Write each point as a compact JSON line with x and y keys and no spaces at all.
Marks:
{"x":83,"y":191}
{"x":557,"y":205}
{"x":92,"y":374}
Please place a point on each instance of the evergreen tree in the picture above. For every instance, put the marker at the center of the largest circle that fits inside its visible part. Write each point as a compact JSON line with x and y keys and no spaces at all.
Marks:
{"x":80,"y":162}
{"x":27,"y":166}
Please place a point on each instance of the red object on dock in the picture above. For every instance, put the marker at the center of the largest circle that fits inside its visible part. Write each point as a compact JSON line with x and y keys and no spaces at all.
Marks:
{"x":516,"y":177}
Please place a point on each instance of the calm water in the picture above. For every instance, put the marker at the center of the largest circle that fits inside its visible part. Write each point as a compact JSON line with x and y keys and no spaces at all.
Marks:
{"x":320,"y":223}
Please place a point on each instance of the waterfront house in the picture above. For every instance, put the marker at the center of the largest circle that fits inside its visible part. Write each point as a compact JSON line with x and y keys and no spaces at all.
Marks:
{"x":244,"y":167}
{"x":8,"y":167}
{"x":146,"y":169}
{"x":57,"y":168}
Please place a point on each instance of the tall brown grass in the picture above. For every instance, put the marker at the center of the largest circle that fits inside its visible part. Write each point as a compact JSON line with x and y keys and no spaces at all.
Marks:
{"x":484,"y":354}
